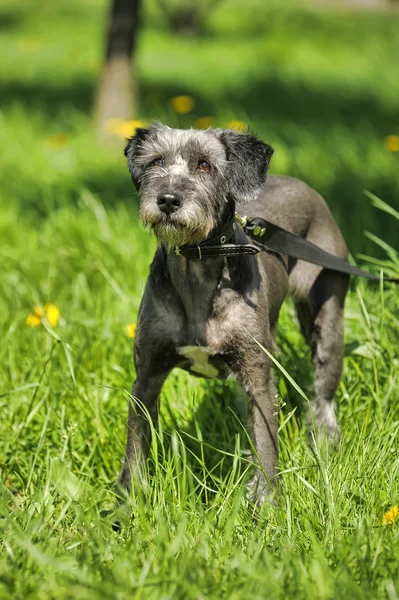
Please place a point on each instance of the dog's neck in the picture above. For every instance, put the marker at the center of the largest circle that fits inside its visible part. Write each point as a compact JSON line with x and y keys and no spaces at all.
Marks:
{"x":218,"y":242}
{"x":196,"y":283}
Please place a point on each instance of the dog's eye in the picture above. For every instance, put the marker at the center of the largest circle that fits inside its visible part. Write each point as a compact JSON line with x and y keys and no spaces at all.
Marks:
{"x":159,"y":162}
{"x":204,"y":165}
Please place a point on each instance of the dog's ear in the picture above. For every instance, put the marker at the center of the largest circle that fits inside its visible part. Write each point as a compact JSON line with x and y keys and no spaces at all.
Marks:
{"x":249,"y":160}
{"x":132,"y":153}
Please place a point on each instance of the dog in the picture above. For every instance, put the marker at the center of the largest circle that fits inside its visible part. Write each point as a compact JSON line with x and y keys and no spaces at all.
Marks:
{"x":205,"y":316}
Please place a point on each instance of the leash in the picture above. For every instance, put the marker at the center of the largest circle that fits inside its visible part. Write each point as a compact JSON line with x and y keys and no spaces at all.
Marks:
{"x":278,"y":239}
{"x":267,"y":236}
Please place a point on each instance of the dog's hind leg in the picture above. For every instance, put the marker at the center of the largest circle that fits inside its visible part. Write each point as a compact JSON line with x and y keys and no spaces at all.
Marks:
{"x":322,"y":320}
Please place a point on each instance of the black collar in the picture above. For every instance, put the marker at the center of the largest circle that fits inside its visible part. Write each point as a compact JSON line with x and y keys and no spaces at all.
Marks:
{"x":221,"y":241}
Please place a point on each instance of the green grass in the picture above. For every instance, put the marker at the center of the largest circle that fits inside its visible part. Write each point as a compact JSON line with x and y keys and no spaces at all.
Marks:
{"x":321,"y":88}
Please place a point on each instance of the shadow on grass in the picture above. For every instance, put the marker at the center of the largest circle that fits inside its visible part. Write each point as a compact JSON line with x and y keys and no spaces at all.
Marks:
{"x":10,"y":20}
{"x":266,"y":99}
{"x":221,"y":421}
{"x":54,"y":100}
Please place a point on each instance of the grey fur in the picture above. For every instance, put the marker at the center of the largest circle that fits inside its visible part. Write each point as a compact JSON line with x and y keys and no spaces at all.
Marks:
{"x":202,"y":316}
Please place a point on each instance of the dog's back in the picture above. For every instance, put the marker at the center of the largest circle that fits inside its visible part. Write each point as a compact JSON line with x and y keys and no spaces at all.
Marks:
{"x":319,"y":294}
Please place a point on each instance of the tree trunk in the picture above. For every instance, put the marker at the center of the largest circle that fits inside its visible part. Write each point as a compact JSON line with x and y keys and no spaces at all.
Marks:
{"x":116,"y":92}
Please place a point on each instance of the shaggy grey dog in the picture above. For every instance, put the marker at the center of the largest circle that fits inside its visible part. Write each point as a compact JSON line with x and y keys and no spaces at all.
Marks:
{"x":203,"y":315}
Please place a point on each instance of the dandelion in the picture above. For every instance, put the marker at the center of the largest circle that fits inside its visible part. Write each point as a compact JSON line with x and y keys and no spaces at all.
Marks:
{"x":182,"y":104}
{"x":131,"y":330}
{"x":58,"y":140}
{"x":52,"y":313}
{"x":237,"y":125}
{"x":49,"y":312}
{"x":204,"y":122}
{"x":34,"y":319}
{"x":124,"y":129}
{"x":391,"y":143}
{"x":389,"y":517}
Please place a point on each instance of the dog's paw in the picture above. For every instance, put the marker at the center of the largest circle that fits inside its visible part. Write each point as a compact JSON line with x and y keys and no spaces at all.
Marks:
{"x":260,"y":491}
{"x":113,"y":519}
{"x":323,"y":421}
{"x":120,"y":517}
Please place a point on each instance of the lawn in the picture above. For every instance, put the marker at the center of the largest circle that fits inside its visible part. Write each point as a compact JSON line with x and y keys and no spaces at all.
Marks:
{"x":323,"y":89}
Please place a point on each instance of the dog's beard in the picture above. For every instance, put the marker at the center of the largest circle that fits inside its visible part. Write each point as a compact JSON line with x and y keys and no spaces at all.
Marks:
{"x":184,"y":226}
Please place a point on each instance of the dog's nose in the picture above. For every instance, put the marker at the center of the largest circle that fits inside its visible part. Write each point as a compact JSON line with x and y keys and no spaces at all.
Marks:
{"x":169,"y":202}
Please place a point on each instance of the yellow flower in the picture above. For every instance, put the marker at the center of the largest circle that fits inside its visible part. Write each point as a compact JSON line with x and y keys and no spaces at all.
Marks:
{"x":48,"y":311}
{"x":52,"y":313}
{"x":237,"y":125}
{"x":204,"y":122}
{"x":390,"y":516}
{"x":131,"y":330}
{"x":58,"y":140}
{"x":124,"y":129}
{"x":182,"y":104}
{"x":33,"y":320}
{"x":391,"y":143}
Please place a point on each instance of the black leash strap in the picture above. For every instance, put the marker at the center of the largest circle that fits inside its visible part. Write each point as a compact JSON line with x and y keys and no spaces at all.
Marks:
{"x":278,"y":239}
{"x":267,"y":236}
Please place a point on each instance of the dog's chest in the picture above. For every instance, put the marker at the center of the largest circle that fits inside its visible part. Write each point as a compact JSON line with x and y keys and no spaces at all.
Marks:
{"x":204,"y":343}
{"x":199,"y":361}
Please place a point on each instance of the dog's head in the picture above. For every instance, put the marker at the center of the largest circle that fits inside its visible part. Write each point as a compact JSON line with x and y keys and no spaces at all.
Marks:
{"x":185,"y":177}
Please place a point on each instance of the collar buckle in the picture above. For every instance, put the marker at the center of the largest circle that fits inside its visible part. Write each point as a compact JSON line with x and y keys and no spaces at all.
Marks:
{"x":243,"y":221}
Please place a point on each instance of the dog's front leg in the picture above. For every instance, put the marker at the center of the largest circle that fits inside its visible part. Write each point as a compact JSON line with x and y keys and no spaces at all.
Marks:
{"x":143,"y":405}
{"x":263,"y":425}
